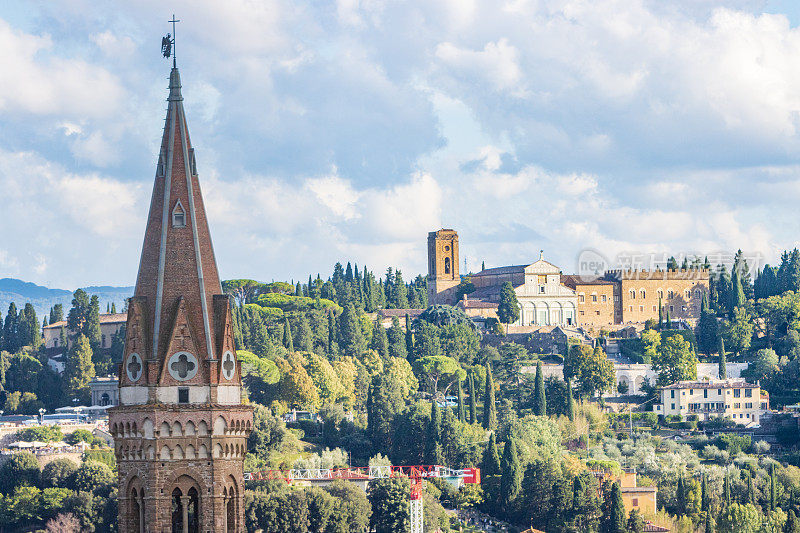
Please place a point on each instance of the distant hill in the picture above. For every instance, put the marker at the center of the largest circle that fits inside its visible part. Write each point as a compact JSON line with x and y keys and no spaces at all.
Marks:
{"x":43,"y":298}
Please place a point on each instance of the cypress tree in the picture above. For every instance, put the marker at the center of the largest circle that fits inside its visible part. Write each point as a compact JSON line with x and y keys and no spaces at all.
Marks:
{"x":380,"y":342}
{"x":304,"y":338}
{"x":461,"y":417}
{"x":113,"y":308}
{"x":613,"y":519}
{"x":726,"y":490}
{"x":483,"y":265}
{"x":704,"y":495}
{"x":10,"y":339}
{"x":773,"y":488}
{"x":56,"y":313}
{"x":409,"y":340}
{"x":489,"y":408}
{"x":307,"y":288}
{"x":62,"y":338}
{"x":570,"y":401}
{"x":298,"y":290}
{"x":397,"y":340}
{"x":79,"y":369}
{"x":91,"y":327}
{"x":660,"y":314}
{"x":473,"y":404}
{"x":737,"y":298}
{"x":668,"y":322}
{"x":490,"y":465}
{"x":288,"y":343}
{"x":539,"y":398}
{"x":680,"y":496}
{"x":433,"y":448}
{"x":721,"y":360}
{"x":751,"y":491}
{"x":511,"y":477}
{"x":333,"y":346}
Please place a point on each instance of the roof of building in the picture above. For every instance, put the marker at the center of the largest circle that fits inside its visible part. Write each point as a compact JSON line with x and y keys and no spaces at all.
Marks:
{"x":650,"y":527}
{"x":469,"y":303}
{"x":572,"y":280}
{"x":496,"y":271}
{"x":638,"y":489}
{"x":712,"y":384}
{"x":105,"y":318}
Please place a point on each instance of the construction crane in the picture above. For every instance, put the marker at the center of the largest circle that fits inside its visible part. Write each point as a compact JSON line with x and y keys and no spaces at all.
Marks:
{"x":416,"y":474}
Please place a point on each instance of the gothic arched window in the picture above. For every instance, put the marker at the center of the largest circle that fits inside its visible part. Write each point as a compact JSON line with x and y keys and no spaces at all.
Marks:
{"x":446,"y":265}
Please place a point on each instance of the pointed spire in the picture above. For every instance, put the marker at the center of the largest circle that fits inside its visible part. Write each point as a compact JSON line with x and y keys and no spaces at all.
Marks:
{"x":174,"y":86}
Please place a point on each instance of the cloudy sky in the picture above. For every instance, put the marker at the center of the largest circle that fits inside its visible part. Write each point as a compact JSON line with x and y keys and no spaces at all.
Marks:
{"x":346,"y":131}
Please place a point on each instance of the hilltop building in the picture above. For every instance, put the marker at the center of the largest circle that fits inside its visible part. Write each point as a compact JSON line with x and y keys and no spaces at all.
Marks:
{"x":110,"y":324}
{"x":180,"y":429}
{"x":547,"y":297}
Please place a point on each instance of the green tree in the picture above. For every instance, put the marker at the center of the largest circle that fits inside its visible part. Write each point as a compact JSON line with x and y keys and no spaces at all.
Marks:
{"x":489,"y":407}
{"x":460,"y":406}
{"x":56,"y":313}
{"x":438,"y":369}
{"x":409,"y":340}
{"x":397,"y":340}
{"x":570,"y":402}
{"x":722,"y":363}
{"x":389,"y":499}
{"x":707,"y":328}
{"x":288,"y":342}
{"x":93,"y":476}
{"x":379,"y":342}
{"x":28,"y":331}
{"x":22,"y":469}
{"x":539,"y":398}
{"x":303,"y":338}
{"x":736,"y":296}
{"x":613,"y":519}
{"x":675,"y":361}
{"x":91,"y":326}
{"x":59,"y":473}
{"x":386,"y":402}
{"x":473,"y":402}
{"x":433,"y":448}
{"x":79,"y":369}
{"x":352,"y":508}
{"x":508,"y":308}
{"x":635,"y":522}
{"x":10,"y":330}
{"x":739,"y":518}
{"x":792,"y":523}
{"x":738,"y":330}
{"x":511,"y":477}
{"x":351,"y":338}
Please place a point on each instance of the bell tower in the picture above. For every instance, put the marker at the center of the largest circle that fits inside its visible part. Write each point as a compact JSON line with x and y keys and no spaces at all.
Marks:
{"x":443,"y":274}
{"x":180,"y":430}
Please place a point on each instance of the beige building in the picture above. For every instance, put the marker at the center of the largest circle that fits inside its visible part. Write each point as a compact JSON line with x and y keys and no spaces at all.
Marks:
{"x":543,"y":299}
{"x":734,"y":399}
{"x":110,"y":325}
{"x":598,"y":301}
{"x":679,"y":292}
{"x":633,"y":496}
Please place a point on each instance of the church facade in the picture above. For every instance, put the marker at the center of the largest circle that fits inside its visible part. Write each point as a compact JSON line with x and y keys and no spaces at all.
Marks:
{"x":180,"y":429}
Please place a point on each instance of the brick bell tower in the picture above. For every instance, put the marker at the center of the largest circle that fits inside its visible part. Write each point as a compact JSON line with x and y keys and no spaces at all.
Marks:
{"x":180,"y":430}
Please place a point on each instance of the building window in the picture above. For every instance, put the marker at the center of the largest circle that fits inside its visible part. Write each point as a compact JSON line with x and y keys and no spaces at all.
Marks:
{"x":697,"y":293}
{"x":748,"y":405}
{"x":632,"y":294}
{"x":737,"y":393}
{"x":705,"y":393}
{"x":748,"y":393}
{"x":655,"y":308}
{"x":670,"y":294}
{"x":673,"y":406}
{"x":672,"y":393}
{"x":691,"y":392}
{"x":616,"y":297}
{"x":541,"y":289}
{"x":631,"y":309}
{"x":581,"y":298}
{"x":642,"y":293}
{"x":580,"y":312}
{"x":446,"y":265}
{"x":178,"y":216}
{"x":641,"y":308}
{"x":687,"y":294}
{"x":737,"y":406}
{"x":183,"y":395}
{"x":635,"y":502}
{"x":55,"y":343}
{"x":671,"y":310}
{"x":604,"y":298}
{"x":103,"y":341}
{"x":719,"y":392}
{"x":594,"y":297}
{"x":660,"y":293}
{"x":597,"y":313}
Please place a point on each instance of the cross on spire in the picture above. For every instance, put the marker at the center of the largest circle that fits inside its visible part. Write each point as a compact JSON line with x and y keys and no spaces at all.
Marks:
{"x":172,"y":42}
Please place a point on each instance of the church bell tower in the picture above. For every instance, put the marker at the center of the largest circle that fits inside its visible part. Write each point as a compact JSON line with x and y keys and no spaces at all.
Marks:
{"x":180,"y":430}
{"x":443,"y":277}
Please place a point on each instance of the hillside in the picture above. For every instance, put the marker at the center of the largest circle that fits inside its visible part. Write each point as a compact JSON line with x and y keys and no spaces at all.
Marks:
{"x":43,"y":298}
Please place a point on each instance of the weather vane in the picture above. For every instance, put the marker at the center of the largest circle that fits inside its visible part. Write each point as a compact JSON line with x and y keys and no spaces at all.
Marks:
{"x":168,"y":42}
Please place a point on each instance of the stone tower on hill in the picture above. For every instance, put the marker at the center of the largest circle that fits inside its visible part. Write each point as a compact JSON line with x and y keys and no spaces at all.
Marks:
{"x":180,"y":431}
{"x":443,"y":277}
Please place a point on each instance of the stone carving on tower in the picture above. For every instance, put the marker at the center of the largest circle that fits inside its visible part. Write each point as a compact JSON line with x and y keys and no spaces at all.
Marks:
{"x":180,"y":430}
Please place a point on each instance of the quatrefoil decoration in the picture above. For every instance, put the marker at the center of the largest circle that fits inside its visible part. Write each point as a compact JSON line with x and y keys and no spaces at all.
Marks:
{"x":182,"y":366}
{"x":228,"y":365}
{"x":134,"y":367}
